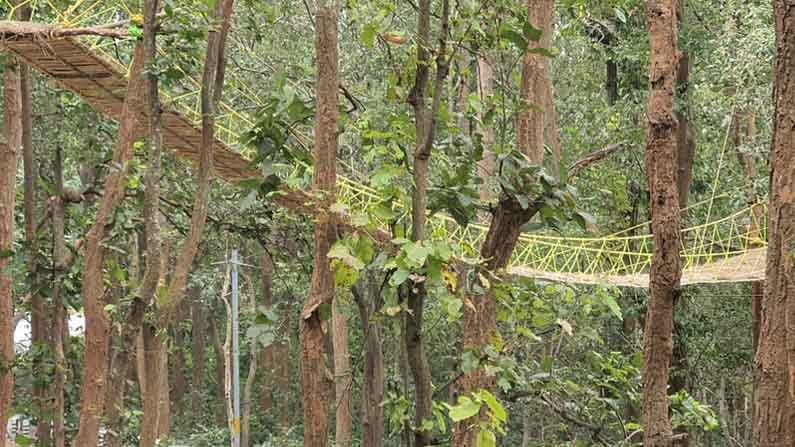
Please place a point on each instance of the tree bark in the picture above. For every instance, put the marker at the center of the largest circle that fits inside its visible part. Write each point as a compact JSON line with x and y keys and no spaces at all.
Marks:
{"x":486,"y":90}
{"x":59,"y":311}
{"x":424,"y":124}
{"x":369,"y":300}
{"x":774,"y":415}
{"x":661,"y":170}
{"x":343,"y":379}
{"x":314,"y":385}
{"x":9,"y":149}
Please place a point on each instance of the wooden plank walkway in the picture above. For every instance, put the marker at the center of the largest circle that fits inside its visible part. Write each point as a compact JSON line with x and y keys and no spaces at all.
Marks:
{"x":103,"y":84}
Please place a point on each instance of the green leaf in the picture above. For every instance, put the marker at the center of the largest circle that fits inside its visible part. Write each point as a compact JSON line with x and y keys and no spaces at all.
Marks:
{"x":548,"y":52}
{"x":369,"y":33}
{"x":342,"y":252}
{"x":530,"y":32}
{"x":23,"y":440}
{"x":612,"y":304}
{"x":494,"y":405}
{"x":465,"y":409}
{"x":513,"y":37}
{"x":486,"y":438}
{"x":417,"y":253}
{"x":399,"y":277}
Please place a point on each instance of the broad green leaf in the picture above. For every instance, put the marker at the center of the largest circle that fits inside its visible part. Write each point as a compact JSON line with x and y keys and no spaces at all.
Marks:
{"x":465,"y":409}
{"x":494,"y":405}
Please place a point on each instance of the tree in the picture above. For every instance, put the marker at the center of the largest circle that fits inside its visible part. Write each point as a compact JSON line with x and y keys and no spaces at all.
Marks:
{"x":95,"y":369}
{"x":314,"y":383}
{"x":774,"y":416}
{"x":9,"y":150}
{"x":661,"y":170}
{"x":424,"y":126}
{"x":480,"y":319}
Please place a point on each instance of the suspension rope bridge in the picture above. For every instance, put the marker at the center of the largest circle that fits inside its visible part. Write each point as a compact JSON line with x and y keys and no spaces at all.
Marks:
{"x":723,"y":250}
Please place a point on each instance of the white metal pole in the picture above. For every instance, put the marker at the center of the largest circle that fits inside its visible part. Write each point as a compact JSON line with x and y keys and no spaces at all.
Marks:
{"x":235,"y":352}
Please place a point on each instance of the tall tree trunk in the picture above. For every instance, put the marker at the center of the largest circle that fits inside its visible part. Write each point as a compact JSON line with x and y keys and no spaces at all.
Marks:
{"x":480,"y":319}
{"x":97,"y":334}
{"x":424,"y":123}
{"x":343,"y":379}
{"x":774,"y":414}
{"x":9,"y":149}
{"x":198,"y":352}
{"x":59,"y":310}
{"x":611,"y":84}
{"x":661,"y":169}
{"x":314,"y":384}
{"x":369,"y":301}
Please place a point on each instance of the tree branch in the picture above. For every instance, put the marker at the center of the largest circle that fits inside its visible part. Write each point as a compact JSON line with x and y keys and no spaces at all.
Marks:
{"x":595,"y":157}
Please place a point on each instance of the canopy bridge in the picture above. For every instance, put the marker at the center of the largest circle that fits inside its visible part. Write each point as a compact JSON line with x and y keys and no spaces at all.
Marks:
{"x":717,"y":251}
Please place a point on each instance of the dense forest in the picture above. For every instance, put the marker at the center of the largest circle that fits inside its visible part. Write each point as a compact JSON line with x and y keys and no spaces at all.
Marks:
{"x":397,"y":223}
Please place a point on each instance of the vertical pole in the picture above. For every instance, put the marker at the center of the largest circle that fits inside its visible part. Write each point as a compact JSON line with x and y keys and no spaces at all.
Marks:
{"x":235,"y":353}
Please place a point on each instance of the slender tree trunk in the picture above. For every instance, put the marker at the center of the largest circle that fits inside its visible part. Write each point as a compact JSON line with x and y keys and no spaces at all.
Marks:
{"x":283,"y":370}
{"x":774,"y":415}
{"x":9,"y":149}
{"x":424,"y":123}
{"x":198,"y":352}
{"x":59,"y":311}
{"x":369,"y":300}
{"x":343,"y":379}
{"x":661,"y":169}
{"x":95,"y":362}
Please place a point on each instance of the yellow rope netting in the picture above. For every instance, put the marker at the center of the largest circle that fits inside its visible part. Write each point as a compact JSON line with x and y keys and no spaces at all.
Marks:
{"x":720,"y":250}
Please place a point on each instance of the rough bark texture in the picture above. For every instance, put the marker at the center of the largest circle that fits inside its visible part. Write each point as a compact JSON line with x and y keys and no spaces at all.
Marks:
{"x":661,"y":170}
{"x":9,"y":149}
{"x":486,"y":90}
{"x":59,"y":311}
{"x":95,"y":362}
{"x":314,"y":384}
{"x":220,"y":368}
{"x":535,"y":85}
{"x":369,"y":300}
{"x":343,"y":379}
{"x":774,"y":416}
